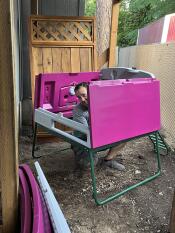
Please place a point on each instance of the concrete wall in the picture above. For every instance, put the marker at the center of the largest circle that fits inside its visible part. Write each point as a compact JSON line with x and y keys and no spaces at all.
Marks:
{"x":160,"y":60}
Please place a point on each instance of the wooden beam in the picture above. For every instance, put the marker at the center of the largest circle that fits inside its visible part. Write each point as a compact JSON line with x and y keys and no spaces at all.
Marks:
{"x":114,"y":28}
{"x":8,"y":122}
{"x":172,"y":219}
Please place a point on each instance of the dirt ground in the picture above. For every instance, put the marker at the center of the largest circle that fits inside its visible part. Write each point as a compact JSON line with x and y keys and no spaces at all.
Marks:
{"x":145,"y":209}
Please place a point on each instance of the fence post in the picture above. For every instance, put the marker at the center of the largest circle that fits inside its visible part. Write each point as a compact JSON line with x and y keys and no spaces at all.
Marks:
{"x":8,"y":122}
{"x":114,"y":28}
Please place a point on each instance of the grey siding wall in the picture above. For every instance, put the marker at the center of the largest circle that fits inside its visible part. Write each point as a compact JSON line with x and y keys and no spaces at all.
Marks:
{"x":61,"y":8}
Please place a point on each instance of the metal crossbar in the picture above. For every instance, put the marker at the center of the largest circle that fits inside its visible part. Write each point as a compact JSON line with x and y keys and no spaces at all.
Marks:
{"x":92,"y":152}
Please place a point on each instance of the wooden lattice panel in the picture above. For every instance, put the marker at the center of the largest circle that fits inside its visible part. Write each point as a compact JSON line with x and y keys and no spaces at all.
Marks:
{"x":62,"y":30}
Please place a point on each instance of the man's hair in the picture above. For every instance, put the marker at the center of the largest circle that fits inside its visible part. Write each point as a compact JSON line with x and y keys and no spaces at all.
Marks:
{"x":78,"y":86}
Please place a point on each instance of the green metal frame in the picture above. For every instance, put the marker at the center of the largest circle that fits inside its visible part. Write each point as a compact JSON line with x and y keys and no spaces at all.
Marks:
{"x":161,"y":143}
{"x":92,"y":152}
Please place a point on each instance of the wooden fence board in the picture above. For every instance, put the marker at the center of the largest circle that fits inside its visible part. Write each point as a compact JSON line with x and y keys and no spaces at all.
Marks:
{"x":56,"y":59}
{"x":47,"y":60}
{"x":66,"y":60}
{"x":36,"y":65}
{"x":75,"y":59}
{"x":84,"y":59}
{"x":113,"y":36}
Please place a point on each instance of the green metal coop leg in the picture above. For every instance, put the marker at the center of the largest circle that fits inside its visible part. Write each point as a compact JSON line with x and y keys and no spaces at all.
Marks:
{"x":118,"y":194}
{"x":91,"y":155}
{"x":34,"y":142}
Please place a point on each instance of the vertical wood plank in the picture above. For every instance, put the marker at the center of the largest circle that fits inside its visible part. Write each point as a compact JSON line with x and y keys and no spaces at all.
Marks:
{"x":84,"y":59}
{"x":114,"y":28}
{"x":56,"y":58}
{"x":75,"y":59}
{"x":94,"y":65}
{"x":37,"y":56}
{"x":47,"y":60}
{"x":66,"y":60}
{"x":36,"y":66}
{"x":8,"y":122}
{"x":91,"y":61}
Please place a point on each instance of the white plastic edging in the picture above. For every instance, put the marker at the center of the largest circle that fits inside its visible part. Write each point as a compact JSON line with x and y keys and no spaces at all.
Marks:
{"x":58,"y":220}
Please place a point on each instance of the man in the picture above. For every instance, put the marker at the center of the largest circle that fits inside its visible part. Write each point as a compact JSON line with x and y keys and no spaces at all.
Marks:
{"x":81,"y":115}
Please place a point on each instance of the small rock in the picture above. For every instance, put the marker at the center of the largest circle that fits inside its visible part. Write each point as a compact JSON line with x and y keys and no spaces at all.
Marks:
{"x":137,"y":172}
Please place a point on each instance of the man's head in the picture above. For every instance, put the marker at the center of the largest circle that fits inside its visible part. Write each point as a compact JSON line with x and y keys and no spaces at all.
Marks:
{"x":81,"y":93}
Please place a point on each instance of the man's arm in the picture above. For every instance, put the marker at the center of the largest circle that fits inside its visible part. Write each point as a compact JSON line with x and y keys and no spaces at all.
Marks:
{"x":80,"y":117}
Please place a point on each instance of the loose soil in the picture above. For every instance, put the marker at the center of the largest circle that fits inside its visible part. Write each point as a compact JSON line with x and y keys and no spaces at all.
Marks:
{"x":144,"y":209}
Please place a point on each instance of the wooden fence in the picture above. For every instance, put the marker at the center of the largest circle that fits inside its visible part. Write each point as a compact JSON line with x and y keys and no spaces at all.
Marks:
{"x":62,"y":44}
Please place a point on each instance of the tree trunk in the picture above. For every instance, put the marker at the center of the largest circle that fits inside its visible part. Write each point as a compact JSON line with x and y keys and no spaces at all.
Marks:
{"x":103,"y":15}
